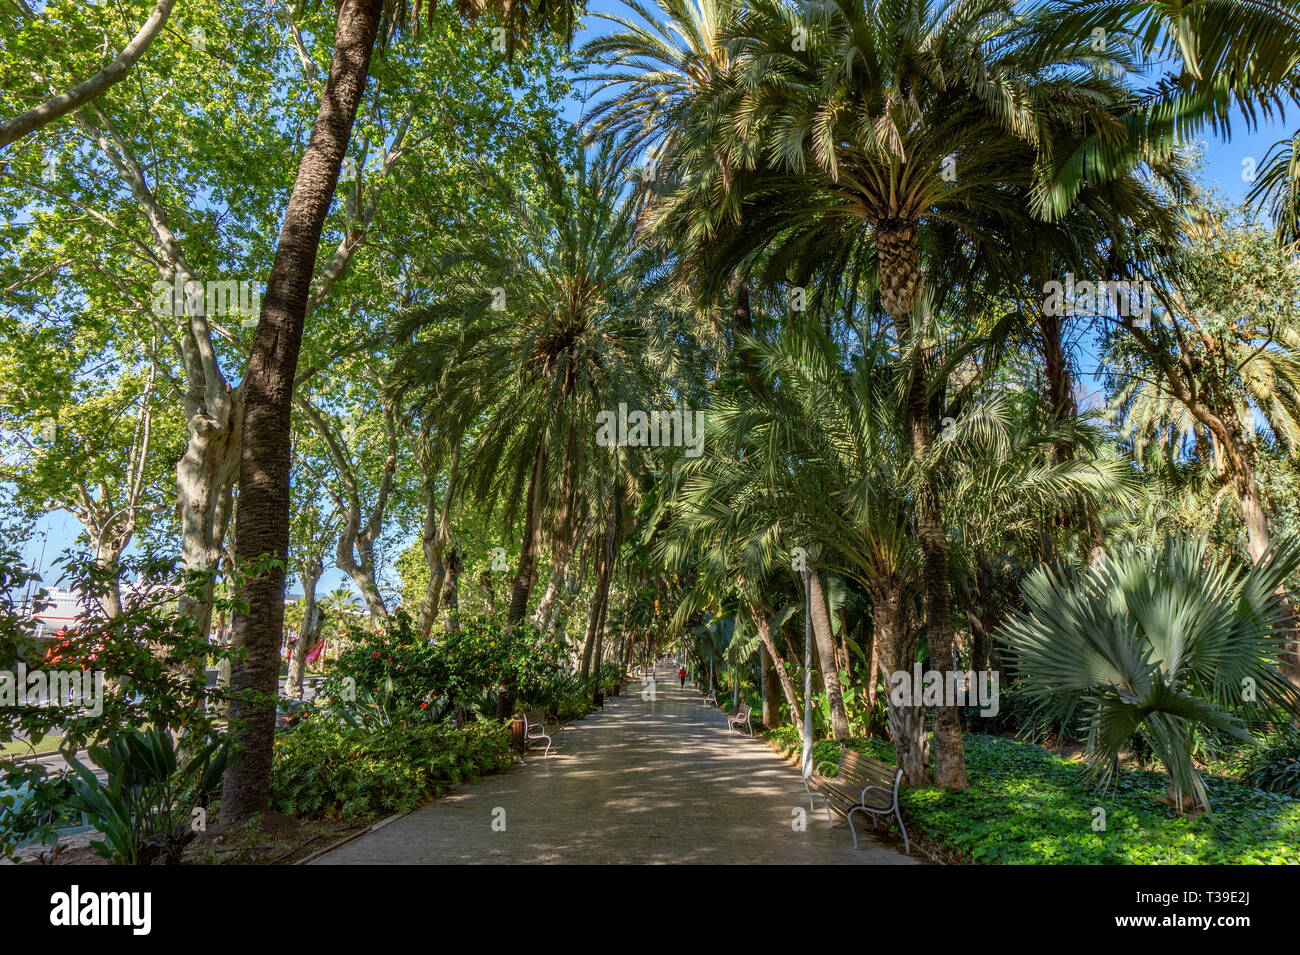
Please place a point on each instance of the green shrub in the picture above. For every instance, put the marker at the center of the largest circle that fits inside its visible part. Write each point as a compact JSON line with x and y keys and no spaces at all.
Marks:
{"x":355,"y":772}
{"x":1156,"y":642}
{"x":145,"y":806}
{"x":482,"y":667}
{"x":1274,"y":768}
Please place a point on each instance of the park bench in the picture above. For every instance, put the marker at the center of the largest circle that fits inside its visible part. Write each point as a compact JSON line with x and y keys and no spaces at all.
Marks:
{"x":711,"y":697}
{"x":535,"y":730}
{"x":860,"y":784}
{"x":741,"y":720}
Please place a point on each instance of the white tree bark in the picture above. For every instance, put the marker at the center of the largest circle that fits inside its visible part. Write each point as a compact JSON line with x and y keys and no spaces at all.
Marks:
{"x":84,"y":92}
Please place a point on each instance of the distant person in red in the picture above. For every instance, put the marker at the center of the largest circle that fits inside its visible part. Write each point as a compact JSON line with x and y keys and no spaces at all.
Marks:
{"x":681,"y":675}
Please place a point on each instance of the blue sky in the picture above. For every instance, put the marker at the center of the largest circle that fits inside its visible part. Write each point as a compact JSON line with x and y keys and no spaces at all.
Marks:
{"x":1223,"y":169}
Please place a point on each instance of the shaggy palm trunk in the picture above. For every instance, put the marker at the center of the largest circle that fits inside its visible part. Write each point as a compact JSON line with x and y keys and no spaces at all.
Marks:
{"x":979,"y":615}
{"x":562,"y":544}
{"x":262,"y":524}
{"x":522,"y":584}
{"x":771,"y":690}
{"x":900,"y":282}
{"x":897,"y":654}
{"x":1060,"y":383}
{"x":826,"y":656}
{"x":598,"y":654}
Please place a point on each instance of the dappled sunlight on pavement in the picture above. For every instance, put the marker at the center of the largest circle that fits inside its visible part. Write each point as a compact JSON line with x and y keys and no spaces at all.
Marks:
{"x":644,"y":781}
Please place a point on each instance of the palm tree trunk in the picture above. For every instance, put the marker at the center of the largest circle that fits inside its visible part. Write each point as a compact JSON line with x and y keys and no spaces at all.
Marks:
{"x":901,"y":284}
{"x":522,"y":584}
{"x":262,"y":522}
{"x":759,"y":616}
{"x":897,"y":654}
{"x":771,"y":689}
{"x":598,"y":598}
{"x":434,"y":542}
{"x":825,"y":641}
{"x":950,"y":759}
{"x":451,"y":590}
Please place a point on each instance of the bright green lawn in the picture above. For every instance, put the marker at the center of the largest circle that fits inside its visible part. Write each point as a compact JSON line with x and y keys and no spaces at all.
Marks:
{"x":1027,"y":806}
{"x":49,"y":744}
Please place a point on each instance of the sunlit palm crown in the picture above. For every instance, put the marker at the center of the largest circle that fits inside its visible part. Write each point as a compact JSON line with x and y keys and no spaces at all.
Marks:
{"x":837,"y":117}
{"x":538,"y":331}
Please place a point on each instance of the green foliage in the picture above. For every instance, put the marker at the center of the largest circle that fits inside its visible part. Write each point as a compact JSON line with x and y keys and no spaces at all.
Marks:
{"x":475,"y":668}
{"x":1156,"y":640}
{"x":145,"y":807}
{"x":1274,"y":767}
{"x":151,"y":655}
{"x":350,"y":772}
{"x":1026,"y":806}
{"x":33,"y":805}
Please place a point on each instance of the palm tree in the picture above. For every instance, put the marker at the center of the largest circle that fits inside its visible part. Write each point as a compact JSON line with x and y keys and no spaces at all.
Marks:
{"x":1157,"y":640}
{"x":830,"y":439}
{"x":653,"y":73}
{"x":262,"y":519}
{"x":828,"y":156}
{"x":1234,"y":55}
{"x":537,"y":335}
{"x":1218,"y":372}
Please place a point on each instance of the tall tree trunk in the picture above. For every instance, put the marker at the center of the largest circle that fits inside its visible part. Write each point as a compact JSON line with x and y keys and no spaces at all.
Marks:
{"x":205,"y":477}
{"x":451,"y":589}
{"x":950,"y":760}
{"x":598,"y":655}
{"x":825,"y":641}
{"x":979,"y":615}
{"x":759,"y":616}
{"x":898,"y":255}
{"x":1056,"y":367}
{"x":563,"y":542}
{"x":522,"y":584}
{"x":598,"y":598}
{"x":107,"y":553}
{"x":898,"y":654}
{"x":263,"y":521}
{"x":771,"y":689}
{"x":433,"y":540}
{"x":310,"y":573}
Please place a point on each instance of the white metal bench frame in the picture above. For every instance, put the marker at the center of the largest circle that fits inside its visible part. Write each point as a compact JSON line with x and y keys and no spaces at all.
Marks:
{"x":741,"y":720}
{"x":535,"y":733}
{"x":891,"y":810}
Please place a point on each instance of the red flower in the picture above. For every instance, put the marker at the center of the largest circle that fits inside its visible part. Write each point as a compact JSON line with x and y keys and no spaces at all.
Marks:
{"x":376,"y":653}
{"x":424,"y":706}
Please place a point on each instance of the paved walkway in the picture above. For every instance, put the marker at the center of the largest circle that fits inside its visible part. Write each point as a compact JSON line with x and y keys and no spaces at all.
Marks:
{"x":643,"y":781}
